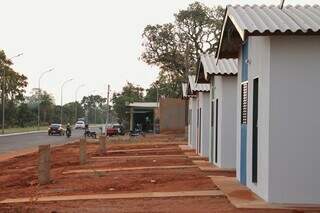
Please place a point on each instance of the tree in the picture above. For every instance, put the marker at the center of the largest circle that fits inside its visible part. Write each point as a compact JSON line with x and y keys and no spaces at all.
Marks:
{"x":130,"y":93}
{"x":46,"y":102}
{"x":91,"y":104}
{"x":175,"y":47}
{"x":13,"y":87}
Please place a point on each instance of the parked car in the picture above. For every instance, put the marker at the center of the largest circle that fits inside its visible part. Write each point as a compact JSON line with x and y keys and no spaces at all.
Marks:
{"x":114,"y":129}
{"x":80,"y":125}
{"x":56,"y":129}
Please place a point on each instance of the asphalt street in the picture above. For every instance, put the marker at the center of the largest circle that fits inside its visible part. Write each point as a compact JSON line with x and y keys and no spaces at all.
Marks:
{"x":32,"y":140}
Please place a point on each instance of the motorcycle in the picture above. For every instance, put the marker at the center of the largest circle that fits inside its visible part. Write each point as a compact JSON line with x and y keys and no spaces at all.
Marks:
{"x":136,"y":132}
{"x":68,"y":132}
{"x":88,"y":133}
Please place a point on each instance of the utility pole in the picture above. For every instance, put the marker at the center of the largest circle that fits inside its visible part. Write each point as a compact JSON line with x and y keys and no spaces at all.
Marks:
{"x":281,"y":4}
{"x":108,"y":97}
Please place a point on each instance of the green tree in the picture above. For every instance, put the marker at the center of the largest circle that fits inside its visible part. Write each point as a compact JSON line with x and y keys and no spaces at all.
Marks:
{"x":130,"y":93}
{"x":13,"y":87}
{"x":46,"y":101}
{"x":91,"y":105}
{"x":175,"y":47}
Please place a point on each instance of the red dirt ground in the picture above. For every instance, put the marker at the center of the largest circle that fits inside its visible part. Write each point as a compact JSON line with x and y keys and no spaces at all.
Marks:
{"x":18,"y":178}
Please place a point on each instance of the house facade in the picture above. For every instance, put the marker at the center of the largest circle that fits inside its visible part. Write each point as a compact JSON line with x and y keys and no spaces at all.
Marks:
{"x":278,"y":99}
{"x":222,"y":77}
{"x":199,"y":122}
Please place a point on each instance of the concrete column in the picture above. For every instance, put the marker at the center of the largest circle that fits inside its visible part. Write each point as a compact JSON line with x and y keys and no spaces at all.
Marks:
{"x":131,"y":119}
{"x":102,"y":146}
{"x":83,"y":151}
{"x":44,"y":164}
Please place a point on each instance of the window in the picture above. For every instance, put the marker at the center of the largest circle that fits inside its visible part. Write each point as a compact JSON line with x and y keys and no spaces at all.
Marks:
{"x":244,"y":102}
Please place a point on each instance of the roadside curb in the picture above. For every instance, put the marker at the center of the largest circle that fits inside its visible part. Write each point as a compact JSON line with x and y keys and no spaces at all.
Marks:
{"x":22,"y":133}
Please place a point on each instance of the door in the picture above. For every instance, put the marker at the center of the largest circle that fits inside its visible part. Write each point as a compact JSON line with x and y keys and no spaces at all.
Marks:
{"x":212,"y":131}
{"x":255,"y":130}
{"x":216,"y":132}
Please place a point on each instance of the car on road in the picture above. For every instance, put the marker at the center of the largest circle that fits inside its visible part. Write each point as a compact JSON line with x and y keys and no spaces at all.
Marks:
{"x":80,"y":125}
{"x":114,"y":129}
{"x":56,"y":129}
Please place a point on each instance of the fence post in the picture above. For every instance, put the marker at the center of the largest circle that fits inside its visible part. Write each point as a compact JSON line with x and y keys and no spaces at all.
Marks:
{"x":44,"y":164}
{"x":83,"y":151}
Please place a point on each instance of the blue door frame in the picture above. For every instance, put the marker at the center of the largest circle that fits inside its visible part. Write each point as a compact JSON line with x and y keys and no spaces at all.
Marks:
{"x":243,"y":138}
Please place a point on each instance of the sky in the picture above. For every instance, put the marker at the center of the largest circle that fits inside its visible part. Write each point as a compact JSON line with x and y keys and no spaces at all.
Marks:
{"x":95,"y":42}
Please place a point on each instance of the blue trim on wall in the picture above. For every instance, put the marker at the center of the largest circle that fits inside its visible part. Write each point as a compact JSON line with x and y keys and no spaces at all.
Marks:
{"x":245,"y":52}
{"x":243,"y":155}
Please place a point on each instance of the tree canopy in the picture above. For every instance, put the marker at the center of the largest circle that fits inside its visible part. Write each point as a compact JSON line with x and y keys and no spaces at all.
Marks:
{"x":175,"y":47}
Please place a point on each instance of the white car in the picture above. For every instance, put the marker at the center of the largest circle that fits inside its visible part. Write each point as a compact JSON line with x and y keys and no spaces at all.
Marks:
{"x":80,"y":125}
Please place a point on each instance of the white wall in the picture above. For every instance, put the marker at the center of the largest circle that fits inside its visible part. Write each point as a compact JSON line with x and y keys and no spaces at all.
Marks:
{"x":189,"y":121}
{"x":259,"y":66}
{"x":193,"y":126}
{"x":225,"y":90}
{"x":228,"y":122}
{"x":295,"y":119}
{"x":204,"y":104}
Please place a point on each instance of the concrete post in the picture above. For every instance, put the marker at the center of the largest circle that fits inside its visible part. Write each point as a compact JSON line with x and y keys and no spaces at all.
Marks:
{"x":44,"y":164}
{"x":83,"y":151}
{"x":102,"y":147}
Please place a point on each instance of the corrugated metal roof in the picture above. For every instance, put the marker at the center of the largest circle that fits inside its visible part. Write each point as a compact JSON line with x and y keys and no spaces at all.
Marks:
{"x":222,"y":67}
{"x":194,"y":87}
{"x":266,"y":20}
{"x":184,"y":90}
{"x":144,"y":104}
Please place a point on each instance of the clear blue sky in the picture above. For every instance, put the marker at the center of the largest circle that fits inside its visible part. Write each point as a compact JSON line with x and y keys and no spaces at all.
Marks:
{"x":94,"y":41}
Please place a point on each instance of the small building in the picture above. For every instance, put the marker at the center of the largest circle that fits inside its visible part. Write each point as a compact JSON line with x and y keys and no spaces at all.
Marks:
{"x":200,"y":121}
{"x":278,"y":123}
{"x":144,"y":114}
{"x":222,"y":77}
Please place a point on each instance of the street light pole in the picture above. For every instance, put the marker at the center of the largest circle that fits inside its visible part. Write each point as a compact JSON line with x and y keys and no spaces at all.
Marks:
{"x":64,"y":83}
{"x":3,"y":92}
{"x":39,"y":93}
{"x":75,"y":102}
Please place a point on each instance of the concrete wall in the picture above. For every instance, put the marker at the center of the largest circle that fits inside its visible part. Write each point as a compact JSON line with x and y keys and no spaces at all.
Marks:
{"x":295,"y":119}
{"x":288,"y":68}
{"x":228,"y":122}
{"x":194,"y":123}
{"x":259,"y":66}
{"x":172,"y":115}
{"x":204,"y":104}
{"x":225,"y":90}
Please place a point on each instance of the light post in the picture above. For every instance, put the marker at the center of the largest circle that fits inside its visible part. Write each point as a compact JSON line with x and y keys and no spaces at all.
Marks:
{"x":75,"y":102}
{"x":3,"y":91}
{"x":63,"y":84}
{"x":39,"y":93}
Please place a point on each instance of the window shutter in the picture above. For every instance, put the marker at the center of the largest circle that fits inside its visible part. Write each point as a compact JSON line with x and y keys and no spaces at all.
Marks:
{"x":244,"y":102}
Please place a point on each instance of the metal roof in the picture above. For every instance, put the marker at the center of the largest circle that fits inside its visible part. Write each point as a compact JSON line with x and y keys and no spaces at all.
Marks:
{"x":221,"y":67}
{"x":267,"y":20}
{"x":184,"y":90}
{"x":195,"y":87}
{"x":144,"y":104}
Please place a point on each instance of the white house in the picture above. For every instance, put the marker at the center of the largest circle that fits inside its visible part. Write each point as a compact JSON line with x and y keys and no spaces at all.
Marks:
{"x":199,"y":105}
{"x":278,"y":126}
{"x":223,"y":104}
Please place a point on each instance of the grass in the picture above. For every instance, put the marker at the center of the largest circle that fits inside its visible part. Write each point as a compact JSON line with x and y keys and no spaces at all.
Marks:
{"x":23,"y":129}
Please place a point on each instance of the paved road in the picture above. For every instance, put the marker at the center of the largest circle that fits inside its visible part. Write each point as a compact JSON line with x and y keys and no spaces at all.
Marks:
{"x":17,"y":142}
